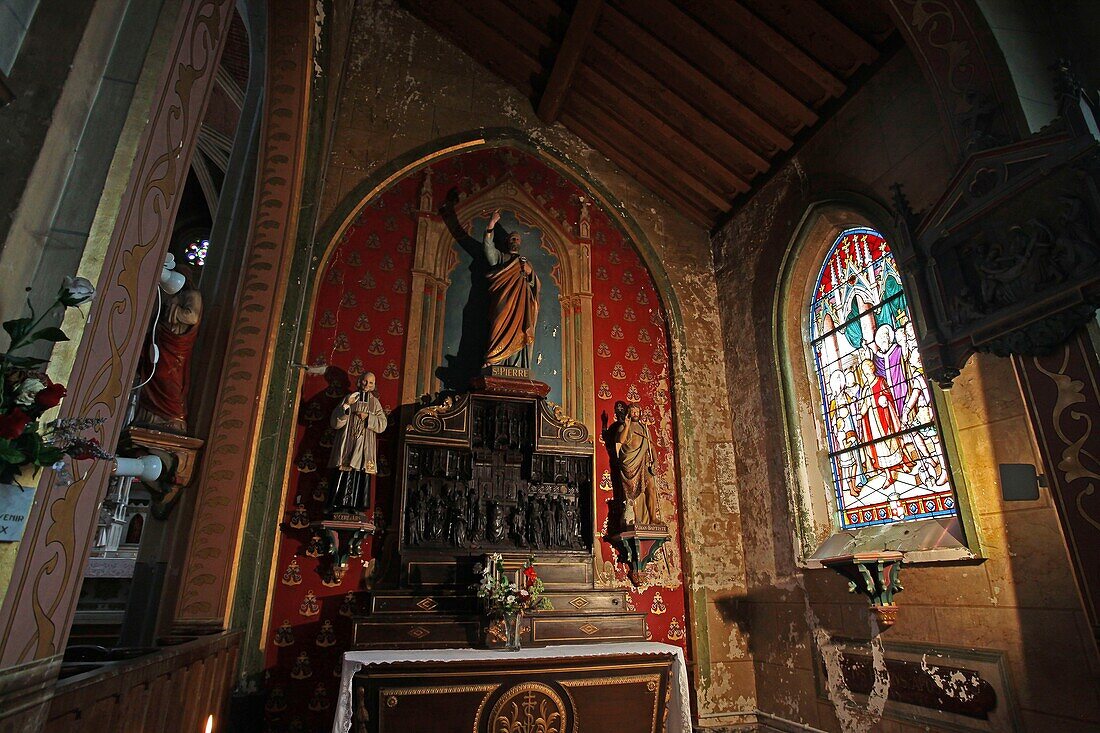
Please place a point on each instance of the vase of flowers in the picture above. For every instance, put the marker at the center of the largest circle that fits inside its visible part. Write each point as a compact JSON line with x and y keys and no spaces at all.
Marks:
{"x":26,"y":392}
{"x":506,"y":599}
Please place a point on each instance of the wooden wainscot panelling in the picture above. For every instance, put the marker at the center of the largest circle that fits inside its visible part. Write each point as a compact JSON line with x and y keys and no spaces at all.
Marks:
{"x":944,"y":688}
{"x":173,"y":689}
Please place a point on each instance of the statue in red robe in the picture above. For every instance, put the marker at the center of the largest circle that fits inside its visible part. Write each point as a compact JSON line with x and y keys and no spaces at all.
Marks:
{"x":513,"y":301}
{"x":163,"y":400}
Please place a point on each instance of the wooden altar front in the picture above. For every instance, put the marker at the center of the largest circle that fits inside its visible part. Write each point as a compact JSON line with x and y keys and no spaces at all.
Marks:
{"x":631,"y":688}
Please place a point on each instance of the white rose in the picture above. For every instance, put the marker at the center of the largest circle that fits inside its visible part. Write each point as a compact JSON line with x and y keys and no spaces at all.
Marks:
{"x":76,"y":290}
{"x":24,"y":395}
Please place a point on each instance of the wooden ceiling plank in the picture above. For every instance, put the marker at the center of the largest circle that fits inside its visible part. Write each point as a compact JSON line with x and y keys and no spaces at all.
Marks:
{"x":710,"y":54}
{"x":734,"y":155}
{"x":868,"y":20}
{"x":735,"y":23}
{"x":512,"y":25}
{"x":582,"y":26}
{"x":657,"y":160}
{"x":693,"y":211}
{"x":613,"y":101}
{"x":654,"y":56}
{"x":545,"y":14}
{"x":485,"y":44}
{"x":817,"y":31}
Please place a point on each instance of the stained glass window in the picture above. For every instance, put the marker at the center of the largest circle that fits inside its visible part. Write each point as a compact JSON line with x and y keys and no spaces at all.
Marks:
{"x":885,"y":451}
{"x":197,"y":251}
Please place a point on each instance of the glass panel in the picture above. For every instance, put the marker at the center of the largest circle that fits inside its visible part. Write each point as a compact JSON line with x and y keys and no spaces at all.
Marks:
{"x":884,"y":447}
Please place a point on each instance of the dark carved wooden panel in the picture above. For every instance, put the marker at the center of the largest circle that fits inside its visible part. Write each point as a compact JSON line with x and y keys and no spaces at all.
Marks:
{"x":622,"y":693}
{"x":476,"y":479}
{"x":1008,"y":260}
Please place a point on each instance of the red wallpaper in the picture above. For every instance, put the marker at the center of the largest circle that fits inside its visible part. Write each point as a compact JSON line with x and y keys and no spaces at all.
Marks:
{"x":358,"y":324}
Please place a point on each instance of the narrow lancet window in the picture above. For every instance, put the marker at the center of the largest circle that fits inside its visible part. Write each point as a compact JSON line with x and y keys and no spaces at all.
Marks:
{"x":887,"y":457}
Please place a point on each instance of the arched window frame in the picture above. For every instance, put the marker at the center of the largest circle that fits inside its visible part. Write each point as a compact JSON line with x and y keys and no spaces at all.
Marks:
{"x":818,"y":531}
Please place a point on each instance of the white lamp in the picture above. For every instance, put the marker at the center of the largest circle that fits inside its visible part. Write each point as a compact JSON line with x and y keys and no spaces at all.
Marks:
{"x":146,"y":468}
{"x":171,"y":282}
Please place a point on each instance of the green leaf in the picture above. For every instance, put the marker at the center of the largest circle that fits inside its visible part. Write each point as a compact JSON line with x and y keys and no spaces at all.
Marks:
{"x":18,"y":328}
{"x":24,"y":362}
{"x":50,"y":455}
{"x":52,"y":333}
{"x":10,"y":453}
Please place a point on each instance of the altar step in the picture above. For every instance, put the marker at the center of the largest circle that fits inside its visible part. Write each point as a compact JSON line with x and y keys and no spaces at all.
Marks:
{"x":450,"y":631}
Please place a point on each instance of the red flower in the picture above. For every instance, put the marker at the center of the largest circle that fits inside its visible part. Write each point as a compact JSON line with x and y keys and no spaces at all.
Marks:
{"x":530,"y":575}
{"x":86,"y":450}
{"x":51,"y":396}
{"x":12,"y":424}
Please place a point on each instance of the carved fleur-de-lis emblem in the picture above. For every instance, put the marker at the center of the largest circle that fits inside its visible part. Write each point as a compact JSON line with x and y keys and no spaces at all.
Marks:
{"x":601,"y":273}
{"x":632,"y":393}
{"x":631,"y":354}
{"x":618,"y":372}
{"x":643,"y":336}
{"x":604,"y":392}
{"x":341,"y":343}
{"x":645,"y":376}
{"x":328,"y":319}
{"x":615,"y":294}
{"x":366,"y":282}
{"x":642,"y":297}
{"x":603,"y":350}
{"x":302,"y":669}
{"x":335,"y":276}
{"x":629,"y":315}
{"x":362,"y":323}
{"x":382,"y":304}
{"x":396,"y":328}
{"x":355,"y":259}
{"x":373,"y":242}
{"x":617,"y":332}
{"x":348,"y":300}
{"x":602,"y":311}
{"x":376,"y":347}
{"x":400,"y":286}
{"x":628,"y":276}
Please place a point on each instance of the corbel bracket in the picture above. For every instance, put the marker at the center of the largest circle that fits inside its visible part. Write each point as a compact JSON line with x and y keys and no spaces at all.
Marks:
{"x":874,"y":575}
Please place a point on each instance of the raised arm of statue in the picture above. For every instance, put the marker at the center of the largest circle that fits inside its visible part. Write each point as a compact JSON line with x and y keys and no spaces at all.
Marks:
{"x":492,"y":254}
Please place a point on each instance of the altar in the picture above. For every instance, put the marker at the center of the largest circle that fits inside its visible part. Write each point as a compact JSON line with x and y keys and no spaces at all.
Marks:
{"x":629,"y":687}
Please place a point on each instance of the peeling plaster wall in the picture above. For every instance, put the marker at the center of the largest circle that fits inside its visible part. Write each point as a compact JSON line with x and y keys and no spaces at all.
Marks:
{"x":402,"y":87}
{"x":1022,"y":599}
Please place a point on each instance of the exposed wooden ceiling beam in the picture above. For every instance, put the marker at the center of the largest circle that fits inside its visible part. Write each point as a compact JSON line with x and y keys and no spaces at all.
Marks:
{"x":504,"y":19}
{"x":724,"y":65}
{"x":656,"y":160}
{"x":486,"y":44}
{"x":693,"y":210}
{"x":664,"y":63}
{"x":658,"y":134}
{"x":582,"y":24}
{"x":734,"y":155}
{"x":818,"y":32}
{"x":741,"y":28}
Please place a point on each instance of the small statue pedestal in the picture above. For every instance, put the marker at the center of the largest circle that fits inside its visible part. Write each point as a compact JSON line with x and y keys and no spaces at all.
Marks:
{"x":639,"y":544}
{"x":341,"y":536}
{"x":506,"y":380}
{"x":874,"y":575}
{"x":179,"y":453}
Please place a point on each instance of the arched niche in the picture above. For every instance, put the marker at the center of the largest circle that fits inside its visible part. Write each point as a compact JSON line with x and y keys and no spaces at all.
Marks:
{"x":436,"y":258}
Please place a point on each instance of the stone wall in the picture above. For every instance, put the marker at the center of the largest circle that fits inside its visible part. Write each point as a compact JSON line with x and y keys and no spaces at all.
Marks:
{"x":1020,"y":601}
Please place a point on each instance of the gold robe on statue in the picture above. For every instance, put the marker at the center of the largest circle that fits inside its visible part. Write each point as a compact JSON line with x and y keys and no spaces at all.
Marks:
{"x":513,"y":310}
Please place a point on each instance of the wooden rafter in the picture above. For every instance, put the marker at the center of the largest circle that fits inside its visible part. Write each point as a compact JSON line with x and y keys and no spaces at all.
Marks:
{"x":693,"y":210}
{"x":657,"y":160}
{"x":721,"y":63}
{"x":739,"y":27}
{"x":659,"y":134}
{"x":582,"y":24}
{"x":660,"y":60}
{"x":741,"y":160}
{"x":486,"y":43}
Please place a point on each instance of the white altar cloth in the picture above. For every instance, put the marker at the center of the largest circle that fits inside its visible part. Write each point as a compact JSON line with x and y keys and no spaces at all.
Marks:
{"x":679,"y":712}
